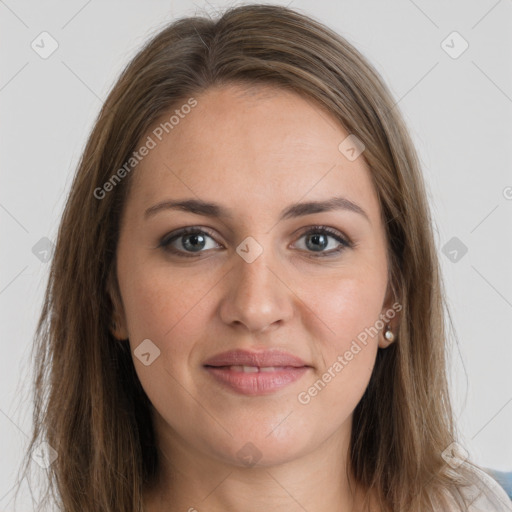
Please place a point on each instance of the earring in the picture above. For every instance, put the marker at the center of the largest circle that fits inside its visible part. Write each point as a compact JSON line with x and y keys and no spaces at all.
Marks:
{"x":388,"y":334}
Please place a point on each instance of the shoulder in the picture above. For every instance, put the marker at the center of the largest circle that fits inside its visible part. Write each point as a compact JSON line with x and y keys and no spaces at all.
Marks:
{"x":503,"y":478}
{"x":483,"y":494}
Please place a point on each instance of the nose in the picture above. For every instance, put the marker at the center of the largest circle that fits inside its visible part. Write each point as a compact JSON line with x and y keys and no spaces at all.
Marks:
{"x":255,"y":297}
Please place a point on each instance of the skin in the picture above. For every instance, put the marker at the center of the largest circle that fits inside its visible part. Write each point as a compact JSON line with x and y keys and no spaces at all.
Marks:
{"x":254,"y":151}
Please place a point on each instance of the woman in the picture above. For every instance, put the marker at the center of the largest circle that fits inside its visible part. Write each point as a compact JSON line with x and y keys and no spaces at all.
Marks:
{"x":245,"y":310}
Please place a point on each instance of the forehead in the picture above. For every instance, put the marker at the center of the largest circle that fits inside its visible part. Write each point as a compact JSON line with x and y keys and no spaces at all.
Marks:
{"x":252,"y":146}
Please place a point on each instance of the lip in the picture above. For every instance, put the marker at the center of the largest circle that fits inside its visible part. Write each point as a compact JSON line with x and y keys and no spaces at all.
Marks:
{"x":251,"y":358}
{"x":280,"y":370}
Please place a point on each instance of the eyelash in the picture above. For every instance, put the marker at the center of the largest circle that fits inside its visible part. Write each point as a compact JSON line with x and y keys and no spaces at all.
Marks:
{"x":168,"y":239}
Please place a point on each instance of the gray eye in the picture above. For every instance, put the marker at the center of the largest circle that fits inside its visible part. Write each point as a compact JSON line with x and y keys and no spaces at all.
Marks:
{"x":188,"y":242}
{"x":193,"y":242}
{"x":321,"y":241}
{"x":317,"y":241}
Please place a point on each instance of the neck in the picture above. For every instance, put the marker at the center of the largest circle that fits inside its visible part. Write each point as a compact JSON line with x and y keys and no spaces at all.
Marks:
{"x":190,"y":480}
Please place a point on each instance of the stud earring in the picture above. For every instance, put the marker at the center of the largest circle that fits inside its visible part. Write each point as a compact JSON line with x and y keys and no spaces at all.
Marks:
{"x":388,"y":334}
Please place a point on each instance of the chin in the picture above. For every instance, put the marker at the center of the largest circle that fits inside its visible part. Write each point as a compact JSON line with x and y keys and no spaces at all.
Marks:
{"x":259,"y":449}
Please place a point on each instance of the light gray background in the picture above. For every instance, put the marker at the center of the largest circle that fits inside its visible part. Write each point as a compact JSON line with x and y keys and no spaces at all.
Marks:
{"x":459,"y":111}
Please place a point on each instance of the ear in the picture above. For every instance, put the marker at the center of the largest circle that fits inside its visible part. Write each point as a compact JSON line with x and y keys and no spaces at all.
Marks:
{"x":117,"y":326}
{"x":390,"y":316}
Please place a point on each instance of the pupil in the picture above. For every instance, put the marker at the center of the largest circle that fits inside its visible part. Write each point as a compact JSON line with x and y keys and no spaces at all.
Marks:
{"x":316,"y":239}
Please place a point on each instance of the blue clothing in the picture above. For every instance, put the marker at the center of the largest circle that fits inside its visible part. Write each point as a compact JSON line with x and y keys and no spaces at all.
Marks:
{"x":503,"y":478}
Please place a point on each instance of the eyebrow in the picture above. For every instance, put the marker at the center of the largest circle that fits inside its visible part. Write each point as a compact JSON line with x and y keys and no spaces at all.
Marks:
{"x":210,"y":209}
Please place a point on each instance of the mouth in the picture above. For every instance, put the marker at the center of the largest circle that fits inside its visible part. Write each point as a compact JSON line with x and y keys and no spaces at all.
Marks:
{"x":255,"y":373}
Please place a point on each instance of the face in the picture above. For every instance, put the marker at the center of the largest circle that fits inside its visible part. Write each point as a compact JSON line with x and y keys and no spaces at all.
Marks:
{"x":293,"y":292}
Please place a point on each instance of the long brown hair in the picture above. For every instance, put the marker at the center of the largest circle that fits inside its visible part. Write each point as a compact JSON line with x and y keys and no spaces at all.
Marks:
{"x":89,"y":405}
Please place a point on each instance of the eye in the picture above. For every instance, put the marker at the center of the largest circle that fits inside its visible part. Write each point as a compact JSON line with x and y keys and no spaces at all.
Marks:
{"x":193,"y":240}
{"x":190,"y":242}
{"x":317,"y":240}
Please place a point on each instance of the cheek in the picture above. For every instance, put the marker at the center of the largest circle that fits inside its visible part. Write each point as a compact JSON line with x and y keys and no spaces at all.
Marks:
{"x":344,"y":305}
{"x":348,"y":310}
{"x":162,"y":305}
{"x":354,"y":307}
{"x":165,"y":307}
